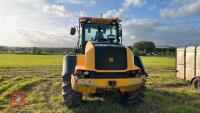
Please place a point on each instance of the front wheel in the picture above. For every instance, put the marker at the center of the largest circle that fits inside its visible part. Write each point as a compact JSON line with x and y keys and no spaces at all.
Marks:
{"x":70,"y":97}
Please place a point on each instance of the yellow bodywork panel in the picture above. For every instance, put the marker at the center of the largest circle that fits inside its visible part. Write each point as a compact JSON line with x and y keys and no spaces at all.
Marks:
{"x":89,"y":57}
{"x":80,"y":58}
{"x":91,"y":85}
{"x":87,"y":61}
{"x":88,"y":85}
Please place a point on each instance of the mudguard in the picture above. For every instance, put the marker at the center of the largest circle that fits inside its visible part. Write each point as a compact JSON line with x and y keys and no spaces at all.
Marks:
{"x":69,"y":62}
{"x":138,"y":63}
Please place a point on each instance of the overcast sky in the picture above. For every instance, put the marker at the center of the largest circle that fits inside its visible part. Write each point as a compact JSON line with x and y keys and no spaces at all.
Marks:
{"x":46,"y":23}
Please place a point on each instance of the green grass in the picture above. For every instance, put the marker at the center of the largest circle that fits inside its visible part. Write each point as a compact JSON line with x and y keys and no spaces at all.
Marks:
{"x":2,"y":78}
{"x":30,"y":60}
{"x":150,"y":61}
{"x":39,"y":77}
{"x":20,"y":86}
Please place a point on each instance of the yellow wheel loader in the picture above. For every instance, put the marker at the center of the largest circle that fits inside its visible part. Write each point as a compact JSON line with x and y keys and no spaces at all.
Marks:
{"x":100,"y":63}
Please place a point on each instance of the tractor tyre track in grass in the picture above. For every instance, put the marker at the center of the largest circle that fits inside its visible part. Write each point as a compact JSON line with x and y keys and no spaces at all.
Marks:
{"x":23,"y":84}
{"x":30,"y":70}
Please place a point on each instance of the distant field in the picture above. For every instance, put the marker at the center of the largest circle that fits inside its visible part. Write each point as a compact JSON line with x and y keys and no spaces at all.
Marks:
{"x":39,"y":77}
{"x":34,"y":60}
{"x":157,"y":61}
{"x":30,"y":60}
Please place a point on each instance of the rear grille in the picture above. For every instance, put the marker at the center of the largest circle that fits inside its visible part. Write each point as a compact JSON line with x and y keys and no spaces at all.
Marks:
{"x":110,"y":57}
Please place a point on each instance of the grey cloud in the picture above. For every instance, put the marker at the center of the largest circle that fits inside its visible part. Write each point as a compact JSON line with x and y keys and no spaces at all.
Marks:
{"x":41,"y":39}
{"x":91,"y":2}
{"x":187,"y":9}
{"x":135,"y":3}
{"x":58,"y":10}
{"x":125,"y":6}
{"x":160,"y":33}
{"x":133,"y":30}
{"x":114,"y":13}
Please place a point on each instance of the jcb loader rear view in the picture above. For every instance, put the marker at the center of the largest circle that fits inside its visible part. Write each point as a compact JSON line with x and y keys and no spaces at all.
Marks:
{"x":100,"y":63}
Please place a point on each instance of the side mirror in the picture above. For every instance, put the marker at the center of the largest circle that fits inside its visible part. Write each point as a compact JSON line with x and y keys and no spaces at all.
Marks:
{"x":73,"y":31}
{"x":120,"y":33}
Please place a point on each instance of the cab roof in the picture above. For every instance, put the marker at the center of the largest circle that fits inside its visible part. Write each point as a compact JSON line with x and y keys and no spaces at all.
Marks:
{"x":99,"y":20}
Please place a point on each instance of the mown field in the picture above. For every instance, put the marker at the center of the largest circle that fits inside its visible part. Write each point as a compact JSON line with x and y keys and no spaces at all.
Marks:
{"x":40,"y":77}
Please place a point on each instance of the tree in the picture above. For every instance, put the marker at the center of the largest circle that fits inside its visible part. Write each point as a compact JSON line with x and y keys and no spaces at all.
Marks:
{"x":34,"y":50}
{"x":144,"y":46}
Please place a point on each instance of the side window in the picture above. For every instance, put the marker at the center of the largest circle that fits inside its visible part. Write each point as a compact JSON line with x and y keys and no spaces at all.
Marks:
{"x":90,"y":34}
{"x":87,"y":35}
{"x":110,"y":31}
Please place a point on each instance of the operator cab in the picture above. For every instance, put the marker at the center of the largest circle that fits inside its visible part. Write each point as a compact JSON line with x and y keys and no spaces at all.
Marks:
{"x":98,"y":30}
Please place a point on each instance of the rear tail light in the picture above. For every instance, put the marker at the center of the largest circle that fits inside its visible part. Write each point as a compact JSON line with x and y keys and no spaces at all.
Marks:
{"x":79,"y":74}
{"x":135,"y":73}
{"x":82,"y":74}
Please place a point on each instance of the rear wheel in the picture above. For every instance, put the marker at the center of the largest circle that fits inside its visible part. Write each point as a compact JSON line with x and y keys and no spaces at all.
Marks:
{"x":196,"y":83}
{"x":70,"y":97}
{"x":133,"y":96}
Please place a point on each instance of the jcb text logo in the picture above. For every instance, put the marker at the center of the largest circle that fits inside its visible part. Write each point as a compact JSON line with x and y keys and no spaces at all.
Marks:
{"x":111,"y":60}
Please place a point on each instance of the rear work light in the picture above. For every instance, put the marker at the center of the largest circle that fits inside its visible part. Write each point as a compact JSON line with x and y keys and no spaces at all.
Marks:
{"x":86,"y":73}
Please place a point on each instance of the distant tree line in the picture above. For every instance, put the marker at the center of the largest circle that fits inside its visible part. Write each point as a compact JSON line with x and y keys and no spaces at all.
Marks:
{"x":149,"y":48}
{"x":35,"y":50}
{"x":140,"y":48}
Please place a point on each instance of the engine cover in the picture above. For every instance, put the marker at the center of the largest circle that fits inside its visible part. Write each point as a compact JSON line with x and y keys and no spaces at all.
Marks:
{"x":110,"y":57}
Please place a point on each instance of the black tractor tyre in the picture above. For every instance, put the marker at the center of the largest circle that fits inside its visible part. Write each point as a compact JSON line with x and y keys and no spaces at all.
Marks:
{"x":69,"y":63}
{"x":70,"y":97}
{"x":133,"y":97}
{"x":196,"y":83}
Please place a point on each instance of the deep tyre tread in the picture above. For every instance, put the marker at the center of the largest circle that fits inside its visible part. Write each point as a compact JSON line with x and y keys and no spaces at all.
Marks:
{"x":70,"y":97}
{"x":196,"y":83}
{"x":133,"y":97}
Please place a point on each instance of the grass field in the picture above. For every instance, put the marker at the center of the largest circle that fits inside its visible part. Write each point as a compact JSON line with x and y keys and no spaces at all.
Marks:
{"x":39,"y":76}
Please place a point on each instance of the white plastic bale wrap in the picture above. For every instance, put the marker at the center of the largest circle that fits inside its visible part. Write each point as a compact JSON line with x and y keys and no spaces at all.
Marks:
{"x":180,"y":62}
{"x":198,"y":61}
{"x":188,"y":62}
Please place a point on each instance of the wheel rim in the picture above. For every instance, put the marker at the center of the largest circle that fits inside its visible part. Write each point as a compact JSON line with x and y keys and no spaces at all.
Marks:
{"x":198,"y":84}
